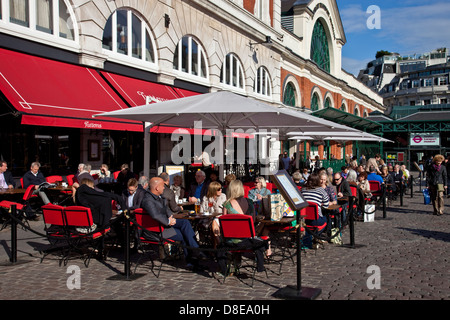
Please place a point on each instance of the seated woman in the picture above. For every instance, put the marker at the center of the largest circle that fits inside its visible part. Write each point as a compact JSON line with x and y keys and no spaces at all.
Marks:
{"x":213,"y":203}
{"x":328,"y":187}
{"x":388,"y":180}
{"x":363,"y":187}
{"x":260,"y":191}
{"x":214,"y":199}
{"x":313,"y":192}
{"x":238,"y":204}
{"x":177,"y":187}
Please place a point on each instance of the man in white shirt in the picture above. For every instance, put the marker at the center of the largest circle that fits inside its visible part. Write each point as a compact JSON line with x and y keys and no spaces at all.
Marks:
{"x":6,"y":179}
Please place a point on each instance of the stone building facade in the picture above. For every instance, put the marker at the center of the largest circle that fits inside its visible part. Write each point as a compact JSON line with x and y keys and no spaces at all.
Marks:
{"x":278,"y":51}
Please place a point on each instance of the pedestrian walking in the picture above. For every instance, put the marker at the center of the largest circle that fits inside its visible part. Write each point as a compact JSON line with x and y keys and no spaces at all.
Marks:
{"x":437,"y":183}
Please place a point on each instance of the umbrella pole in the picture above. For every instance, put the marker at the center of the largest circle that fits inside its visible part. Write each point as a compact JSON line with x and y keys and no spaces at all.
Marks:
{"x":147,"y":141}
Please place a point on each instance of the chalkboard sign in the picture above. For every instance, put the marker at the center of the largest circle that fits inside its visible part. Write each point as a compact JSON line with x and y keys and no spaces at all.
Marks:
{"x":289,"y":190}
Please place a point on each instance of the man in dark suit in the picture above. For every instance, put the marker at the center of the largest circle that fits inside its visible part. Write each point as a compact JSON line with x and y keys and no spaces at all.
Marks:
{"x":174,"y":229}
{"x":6,"y":178}
{"x":134,"y":195}
{"x":169,"y":194}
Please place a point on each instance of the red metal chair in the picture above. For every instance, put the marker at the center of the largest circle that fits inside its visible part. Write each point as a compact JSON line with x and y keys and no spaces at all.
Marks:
{"x":311,"y":213}
{"x":150,"y":236}
{"x":116,"y":174}
{"x":53,"y":179}
{"x":375,"y":188}
{"x":246,"y":191}
{"x":81,"y":217}
{"x":69,"y":179}
{"x":22,"y":206}
{"x":55,"y":228}
{"x":235,"y":227}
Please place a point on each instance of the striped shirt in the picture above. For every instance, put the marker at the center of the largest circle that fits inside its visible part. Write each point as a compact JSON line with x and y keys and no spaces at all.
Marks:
{"x":319,"y":196}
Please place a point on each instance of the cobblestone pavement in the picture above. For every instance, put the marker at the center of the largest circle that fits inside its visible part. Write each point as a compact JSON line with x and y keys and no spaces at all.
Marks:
{"x":410,"y":250}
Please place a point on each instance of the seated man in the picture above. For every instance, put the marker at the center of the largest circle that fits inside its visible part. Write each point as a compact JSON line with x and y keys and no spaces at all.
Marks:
{"x":6,"y":178}
{"x":199,"y":188}
{"x":174,"y":229}
{"x":35,"y":177}
{"x":373,"y":176}
{"x":169,"y":195}
{"x":99,"y":202}
{"x":134,"y":195}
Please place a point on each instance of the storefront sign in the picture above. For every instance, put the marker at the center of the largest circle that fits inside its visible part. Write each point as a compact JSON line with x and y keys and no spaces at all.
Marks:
{"x":424,"y":139}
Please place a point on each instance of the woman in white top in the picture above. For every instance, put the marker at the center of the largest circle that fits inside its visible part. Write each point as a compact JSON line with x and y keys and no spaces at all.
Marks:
{"x":213,"y":203}
{"x":214,"y":199}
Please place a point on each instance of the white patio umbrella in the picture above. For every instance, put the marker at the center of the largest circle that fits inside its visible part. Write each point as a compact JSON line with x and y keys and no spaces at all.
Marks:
{"x":340,"y":138}
{"x":224,"y":110}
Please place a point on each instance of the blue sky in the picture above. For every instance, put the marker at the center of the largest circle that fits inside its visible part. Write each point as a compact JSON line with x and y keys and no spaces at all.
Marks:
{"x":406,"y":27}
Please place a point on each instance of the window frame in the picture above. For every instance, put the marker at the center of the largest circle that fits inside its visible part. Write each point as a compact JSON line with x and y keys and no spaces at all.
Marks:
{"x":202,"y":61}
{"x":263,"y":75}
{"x":32,"y":31}
{"x":129,"y":57}
{"x":235,"y":64}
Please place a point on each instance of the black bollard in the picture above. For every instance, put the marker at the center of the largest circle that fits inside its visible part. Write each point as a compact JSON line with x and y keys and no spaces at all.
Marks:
{"x":127,"y":247}
{"x":351,"y":221}
{"x":13,"y":258}
{"x":298,"y":292}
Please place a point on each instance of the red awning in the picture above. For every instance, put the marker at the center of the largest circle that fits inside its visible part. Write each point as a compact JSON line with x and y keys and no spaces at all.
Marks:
{"x":135,"y":91}
{"x":52,"y":93}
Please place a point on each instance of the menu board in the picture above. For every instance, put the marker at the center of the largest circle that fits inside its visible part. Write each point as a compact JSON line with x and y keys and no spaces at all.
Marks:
{"x":289,"y":190}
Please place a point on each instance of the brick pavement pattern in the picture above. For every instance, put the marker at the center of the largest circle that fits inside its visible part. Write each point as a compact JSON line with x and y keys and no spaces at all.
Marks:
{"x":411,"y":248}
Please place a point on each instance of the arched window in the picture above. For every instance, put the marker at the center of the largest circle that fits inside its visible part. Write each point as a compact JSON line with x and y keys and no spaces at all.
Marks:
{"x":327,"y":103}
{"x":262,"y":84}
{"x":320,"y":52}
{"x":127,"y":34}
{"x":343,"y":107}
{"x":232,"y":73}
{"x":356,"y":111}
{"x":48,"y":16}
{"x":315,"y":102}
{"x":190,"y":58}
{"x":289,"y":95}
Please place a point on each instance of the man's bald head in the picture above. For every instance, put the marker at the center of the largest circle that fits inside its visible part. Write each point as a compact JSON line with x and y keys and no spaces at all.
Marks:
{"x":156,"y":185}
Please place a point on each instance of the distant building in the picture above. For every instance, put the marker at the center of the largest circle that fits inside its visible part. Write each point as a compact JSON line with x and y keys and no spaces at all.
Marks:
{"x":416,"y":94}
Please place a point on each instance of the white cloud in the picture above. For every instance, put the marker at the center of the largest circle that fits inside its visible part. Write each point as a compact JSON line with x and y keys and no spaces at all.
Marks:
{"x":354,"y":19}
{"x":419,"y":28}
{"x":353,"y":66}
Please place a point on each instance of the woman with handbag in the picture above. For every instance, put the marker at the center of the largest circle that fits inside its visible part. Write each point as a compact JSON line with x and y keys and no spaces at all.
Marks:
{"x":437,"y":183}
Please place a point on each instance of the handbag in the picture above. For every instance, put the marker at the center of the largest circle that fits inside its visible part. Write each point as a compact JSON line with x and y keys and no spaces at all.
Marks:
{"x":426,"y":196}
{"x":264,"y":208}
{"x":279,"y":208}
{"x":369,"y":213}
{"x":276,"y":206}
{"x":440,"y":187}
